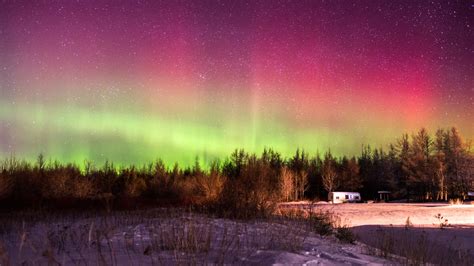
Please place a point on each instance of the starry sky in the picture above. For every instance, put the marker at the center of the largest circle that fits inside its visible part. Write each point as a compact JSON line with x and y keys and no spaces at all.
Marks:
{"x":133,"y":81}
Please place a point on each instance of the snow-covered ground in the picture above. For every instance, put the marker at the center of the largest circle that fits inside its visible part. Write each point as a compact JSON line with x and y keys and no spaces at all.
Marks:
{"x":164,"y":237}
{"x":170,"y":237}
{"x":420,"y":214}
{"x":440,"y":231}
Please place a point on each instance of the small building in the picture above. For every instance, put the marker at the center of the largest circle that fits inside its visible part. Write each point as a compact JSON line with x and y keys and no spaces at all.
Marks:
{"x":470,"y":195}
{"x":341,"y":197}
{"x":383,"y":195}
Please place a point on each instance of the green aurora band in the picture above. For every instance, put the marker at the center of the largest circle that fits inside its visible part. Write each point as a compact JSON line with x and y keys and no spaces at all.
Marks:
{"x":131,"y":82}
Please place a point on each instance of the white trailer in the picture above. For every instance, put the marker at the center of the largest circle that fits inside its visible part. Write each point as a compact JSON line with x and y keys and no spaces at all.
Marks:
{"x":341,"y":197}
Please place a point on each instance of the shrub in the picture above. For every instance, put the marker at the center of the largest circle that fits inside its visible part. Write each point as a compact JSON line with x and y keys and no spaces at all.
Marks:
{"x":210,"y":186}
{"x":135,"y":187}
{"x":442,"y":221}
{"x":345,"y":234}
{"x":83,"y":188}
{"x":408,"y":223}
{"x":56,"y":186}
{"x":322,"y":223}
{"x":293,"y":213}
{"x":6,"y":185}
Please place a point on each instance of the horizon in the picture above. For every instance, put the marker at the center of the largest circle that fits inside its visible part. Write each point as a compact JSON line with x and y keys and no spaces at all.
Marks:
{"x":133,"y":82}
{"x":206,"y":162}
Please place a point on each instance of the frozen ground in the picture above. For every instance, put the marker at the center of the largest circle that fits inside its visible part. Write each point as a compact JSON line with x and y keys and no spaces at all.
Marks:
{"x":421,"y":214}
{"x":166,"y":237}
{"x":385,"y":225}
{"x":170,"y":237}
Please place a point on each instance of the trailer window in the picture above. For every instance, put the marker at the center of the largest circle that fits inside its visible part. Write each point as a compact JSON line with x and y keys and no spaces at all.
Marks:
{"x":337,"y":197}
{"x":347,"y":196}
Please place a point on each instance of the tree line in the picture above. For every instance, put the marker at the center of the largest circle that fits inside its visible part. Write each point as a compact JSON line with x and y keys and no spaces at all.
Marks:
{"x":419,"y":167}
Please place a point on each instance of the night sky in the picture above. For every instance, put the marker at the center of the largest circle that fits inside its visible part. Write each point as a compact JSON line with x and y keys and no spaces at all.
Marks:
{"x":133,"y":81}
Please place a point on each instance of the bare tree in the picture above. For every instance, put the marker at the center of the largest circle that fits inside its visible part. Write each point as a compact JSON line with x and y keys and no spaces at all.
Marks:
{"x":287,"y":183}
{"x":329,"y":174}
{"x":211,"y":184}
{"x":302,"y":186}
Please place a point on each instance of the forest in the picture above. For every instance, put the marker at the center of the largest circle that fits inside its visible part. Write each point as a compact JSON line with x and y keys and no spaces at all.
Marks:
{"x":416,"y":167}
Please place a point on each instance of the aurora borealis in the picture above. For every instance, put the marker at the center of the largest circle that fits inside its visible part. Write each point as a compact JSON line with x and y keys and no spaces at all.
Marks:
{"x":131,"y":81}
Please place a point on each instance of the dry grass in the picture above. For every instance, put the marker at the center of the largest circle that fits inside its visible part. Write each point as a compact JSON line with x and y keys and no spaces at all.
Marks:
{"x":160,"y":236}
{"x":456,"y":202}
{"x":324,"y":223}
{"x":412,"y":246}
